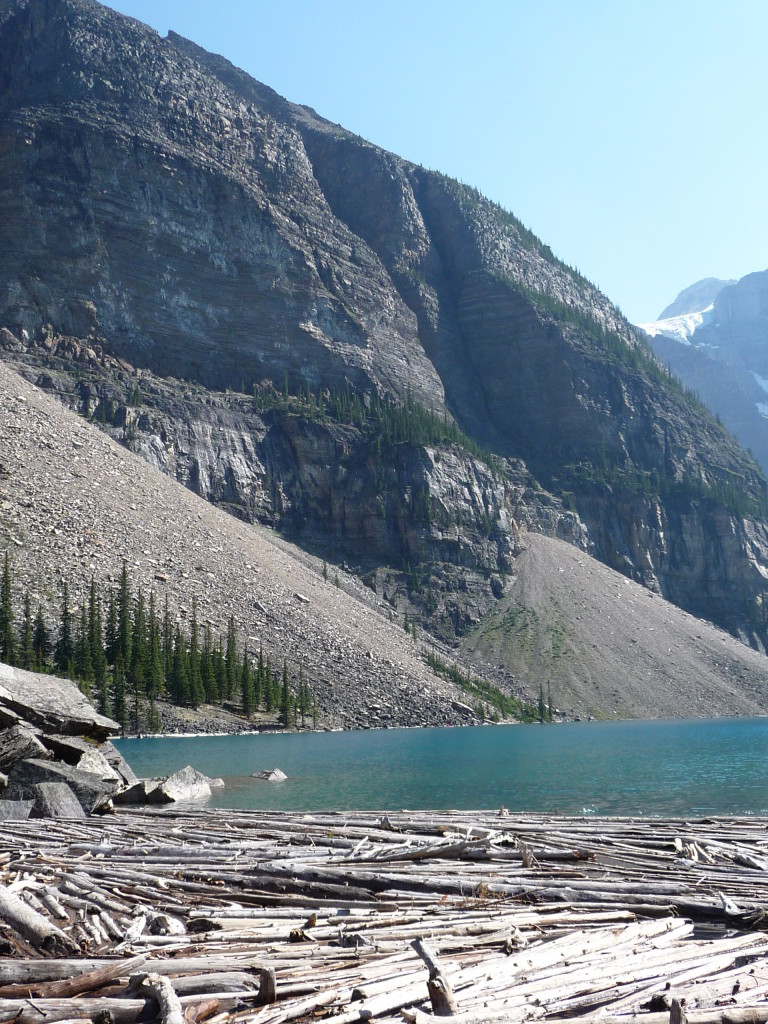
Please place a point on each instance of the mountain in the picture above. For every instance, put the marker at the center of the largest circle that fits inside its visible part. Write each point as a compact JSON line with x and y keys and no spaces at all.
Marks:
{"x":698,"y":296}
{"x":73,"y":503}
{"x":320,"y":336}
{"x":692,"y":308}
{"x":714,"y":337}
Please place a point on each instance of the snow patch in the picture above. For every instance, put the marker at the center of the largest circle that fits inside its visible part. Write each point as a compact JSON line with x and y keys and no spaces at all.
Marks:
{"x":762,"y":381}
{"x":679,"y":328}
{"x":762,"y":408}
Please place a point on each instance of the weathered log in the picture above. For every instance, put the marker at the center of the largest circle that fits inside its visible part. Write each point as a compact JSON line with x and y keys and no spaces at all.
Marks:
{"x":33,"y":926}
{"x":267,"y":987}
{"x":440,"y":991}
{"x":220,"y":981}
{"x":162,"y":990}
{"x":32,"y":972}
{"x":119,"y":1011}
{"x":86,"y":982}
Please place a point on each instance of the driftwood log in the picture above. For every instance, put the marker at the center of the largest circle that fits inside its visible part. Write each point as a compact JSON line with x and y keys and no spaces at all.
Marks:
{"x":439,"y":988}
{"x":232,"y":916}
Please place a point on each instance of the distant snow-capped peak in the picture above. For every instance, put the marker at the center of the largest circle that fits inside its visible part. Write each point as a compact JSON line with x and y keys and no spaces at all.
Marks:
{"x":680,"y":328}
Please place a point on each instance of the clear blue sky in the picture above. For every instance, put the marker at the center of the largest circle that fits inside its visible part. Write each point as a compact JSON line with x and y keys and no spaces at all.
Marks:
{"x":630,"y":136}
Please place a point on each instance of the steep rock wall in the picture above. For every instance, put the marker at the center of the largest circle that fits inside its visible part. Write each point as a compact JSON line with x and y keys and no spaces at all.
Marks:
{"x":167,"y":209}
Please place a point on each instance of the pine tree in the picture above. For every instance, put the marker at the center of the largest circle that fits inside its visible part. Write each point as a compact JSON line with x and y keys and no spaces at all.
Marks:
{"x":220,"y":671}
{"x":137,"y":675}
{"x":40,"y":640}
{"x":269,"y":691}
{"x":153,"y":717}
{"x":112,"y":639}
{"x":231,"y":660}
{"x":167,"y":641}
{"x":246,"y":686}
{"x":121,"y":710}
{"x":138,"y":645}
{"x":276,"y":688}
{"x":196,"y":688}
{"x":124,"y":618}
{"x":305,"y":697}
{"x":98,"y":654}
{"x":7,"y":635}
{"x":260,"y":687}
{"x":65,"y":650}
{"x":285,"y":699}
{"x":26,"y":638}
{"x":154,"y":655}
{"x":83,"y":660}
{"x":179,"y":680}
{"x":208,"y":669}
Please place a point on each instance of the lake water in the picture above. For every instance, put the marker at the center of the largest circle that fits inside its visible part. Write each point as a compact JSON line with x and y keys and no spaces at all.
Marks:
{"x":691,"y":768}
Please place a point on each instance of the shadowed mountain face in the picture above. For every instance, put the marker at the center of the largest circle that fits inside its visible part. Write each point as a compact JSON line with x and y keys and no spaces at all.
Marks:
{"x":164,"y":214}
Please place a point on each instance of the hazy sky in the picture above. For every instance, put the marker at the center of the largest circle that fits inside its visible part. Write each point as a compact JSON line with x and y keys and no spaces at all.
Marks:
{"x":630,"y":135}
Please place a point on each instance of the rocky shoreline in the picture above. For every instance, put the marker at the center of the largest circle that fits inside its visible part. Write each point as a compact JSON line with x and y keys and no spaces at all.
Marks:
{"x":57,"y":759}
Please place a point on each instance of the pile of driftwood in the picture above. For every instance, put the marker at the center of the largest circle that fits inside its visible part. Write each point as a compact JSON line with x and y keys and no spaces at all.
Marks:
{"x":222,"y":916}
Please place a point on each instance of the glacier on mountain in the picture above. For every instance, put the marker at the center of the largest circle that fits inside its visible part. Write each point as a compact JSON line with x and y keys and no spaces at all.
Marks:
{"x":679,"y":328}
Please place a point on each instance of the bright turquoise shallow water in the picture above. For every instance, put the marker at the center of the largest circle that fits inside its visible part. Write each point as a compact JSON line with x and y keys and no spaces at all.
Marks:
{"x":690,"y":768}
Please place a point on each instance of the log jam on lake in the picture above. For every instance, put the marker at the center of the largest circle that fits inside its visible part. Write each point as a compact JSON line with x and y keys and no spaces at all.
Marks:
{"x":483,"y":916}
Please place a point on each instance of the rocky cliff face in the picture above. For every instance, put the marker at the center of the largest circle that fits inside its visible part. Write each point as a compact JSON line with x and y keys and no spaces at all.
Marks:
{"x":175,"y":217}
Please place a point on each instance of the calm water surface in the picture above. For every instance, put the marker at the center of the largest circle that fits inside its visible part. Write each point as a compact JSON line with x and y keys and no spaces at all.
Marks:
{"x":690,"y":768}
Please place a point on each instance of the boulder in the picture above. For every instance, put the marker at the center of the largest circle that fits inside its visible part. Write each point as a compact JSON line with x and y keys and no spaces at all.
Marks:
{"x":92,"y":792}
{"x":118,"y":762}
{"x":78,"y":752}
{"x":19,"y":742}
{"x":186,"y":784}
{"x":15,"y":810}
{"x":55,"y":800}
{"x":139,"y":793}
{"x":270,"y":775}
{"x":94,"y":761}
{"x":52,"y":704}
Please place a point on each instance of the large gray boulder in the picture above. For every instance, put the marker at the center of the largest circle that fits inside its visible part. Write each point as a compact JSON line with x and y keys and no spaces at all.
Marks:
{"x":19,"y":742}
{"x":186,"y":784}
{"x":92,"y":792}
{"x":93,"y":761}
{"x":139,"y":793}
{"x":118,"y":763}
{"x":53,"y":704}
{"x":15,"y":810}
{"x":55,"y":800}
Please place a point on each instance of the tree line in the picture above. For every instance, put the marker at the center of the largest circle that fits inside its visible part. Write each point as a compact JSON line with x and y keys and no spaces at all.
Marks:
{"x":125,"y":654}
{"x":486,"y":695}
{"x":384,"y":422}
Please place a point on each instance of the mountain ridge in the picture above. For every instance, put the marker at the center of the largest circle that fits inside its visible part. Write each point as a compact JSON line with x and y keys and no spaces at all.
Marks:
{"x":169,"y":219}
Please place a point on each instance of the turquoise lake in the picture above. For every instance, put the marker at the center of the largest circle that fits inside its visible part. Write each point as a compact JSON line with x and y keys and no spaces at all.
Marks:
{"x":692,"y":768}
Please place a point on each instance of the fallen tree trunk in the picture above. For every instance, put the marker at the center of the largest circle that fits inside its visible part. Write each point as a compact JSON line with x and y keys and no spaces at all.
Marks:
{"x":33,"y":926}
